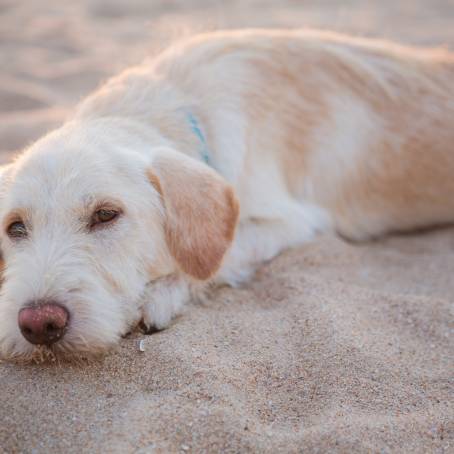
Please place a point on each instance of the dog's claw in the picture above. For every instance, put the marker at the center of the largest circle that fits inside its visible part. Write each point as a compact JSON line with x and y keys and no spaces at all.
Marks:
{"x":148,"y":330}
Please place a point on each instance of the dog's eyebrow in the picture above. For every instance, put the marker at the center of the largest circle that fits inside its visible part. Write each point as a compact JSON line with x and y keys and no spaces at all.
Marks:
{"x":92,"y":202}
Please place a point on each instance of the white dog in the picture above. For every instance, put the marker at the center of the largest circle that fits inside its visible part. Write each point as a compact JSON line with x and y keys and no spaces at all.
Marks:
{"x":129,"y":208}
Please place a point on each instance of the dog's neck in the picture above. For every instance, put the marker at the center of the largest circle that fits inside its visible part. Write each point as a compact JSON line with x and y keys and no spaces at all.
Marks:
{"x":169,"y":119}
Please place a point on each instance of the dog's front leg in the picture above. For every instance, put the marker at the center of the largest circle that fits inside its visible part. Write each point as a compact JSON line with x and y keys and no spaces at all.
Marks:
{"x":259,"y":240}
{"x":163,"y":300}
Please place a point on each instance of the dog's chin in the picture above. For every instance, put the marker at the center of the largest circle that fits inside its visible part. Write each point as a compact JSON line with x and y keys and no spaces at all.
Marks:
{"x":61,"y":352}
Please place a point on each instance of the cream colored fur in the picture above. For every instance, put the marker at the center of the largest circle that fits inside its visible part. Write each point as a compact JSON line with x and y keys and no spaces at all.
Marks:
{"x":308,"y":131}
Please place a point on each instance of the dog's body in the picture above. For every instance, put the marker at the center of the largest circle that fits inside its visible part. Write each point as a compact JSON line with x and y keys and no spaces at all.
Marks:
{"x":312,"y":131}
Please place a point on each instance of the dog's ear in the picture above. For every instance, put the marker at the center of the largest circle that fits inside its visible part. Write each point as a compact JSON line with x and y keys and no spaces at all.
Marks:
{"x":201,"y":212}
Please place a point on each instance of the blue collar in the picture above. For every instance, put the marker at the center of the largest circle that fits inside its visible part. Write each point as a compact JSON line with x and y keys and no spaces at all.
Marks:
{"x":195,"y":128}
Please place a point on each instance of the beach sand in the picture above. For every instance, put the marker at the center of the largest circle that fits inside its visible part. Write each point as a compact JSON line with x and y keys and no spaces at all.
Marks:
{"x":332,"y":347}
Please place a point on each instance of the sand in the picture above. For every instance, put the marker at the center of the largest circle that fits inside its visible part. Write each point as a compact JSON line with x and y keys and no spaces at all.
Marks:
{"x":331,"y":348}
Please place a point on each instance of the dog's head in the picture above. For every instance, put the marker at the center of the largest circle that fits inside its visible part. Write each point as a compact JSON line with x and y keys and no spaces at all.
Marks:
{"x":86,"y":224}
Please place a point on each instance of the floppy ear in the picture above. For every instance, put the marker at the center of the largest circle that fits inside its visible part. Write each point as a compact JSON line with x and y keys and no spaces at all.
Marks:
{"x":201,"y":212}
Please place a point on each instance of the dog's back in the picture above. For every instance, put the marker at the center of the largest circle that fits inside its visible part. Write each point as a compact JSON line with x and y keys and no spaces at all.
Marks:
{"x":361,"y":128}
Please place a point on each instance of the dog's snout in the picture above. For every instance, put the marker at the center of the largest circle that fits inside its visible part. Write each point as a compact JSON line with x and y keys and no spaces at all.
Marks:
{"x":43,"y":324}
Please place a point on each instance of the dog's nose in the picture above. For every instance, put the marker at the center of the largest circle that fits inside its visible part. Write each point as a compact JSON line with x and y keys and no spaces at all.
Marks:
{"x":43,"y":324}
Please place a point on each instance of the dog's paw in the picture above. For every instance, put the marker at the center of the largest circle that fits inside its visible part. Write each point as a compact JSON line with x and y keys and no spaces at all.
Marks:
{"x":148,"y":330}
{"x":163,"y":300}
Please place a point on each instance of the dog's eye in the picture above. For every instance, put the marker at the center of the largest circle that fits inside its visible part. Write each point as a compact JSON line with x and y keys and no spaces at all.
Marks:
{"x":103,"y":216}
{"x":17,"y":229}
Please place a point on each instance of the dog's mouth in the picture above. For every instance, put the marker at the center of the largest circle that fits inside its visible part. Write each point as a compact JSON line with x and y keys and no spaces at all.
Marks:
{"x":58,"y":354}
{"x":69,"y":351}
{"x":43,"y":354}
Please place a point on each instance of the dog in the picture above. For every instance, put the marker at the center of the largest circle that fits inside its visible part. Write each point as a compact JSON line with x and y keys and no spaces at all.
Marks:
{"x":202,"y":163}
